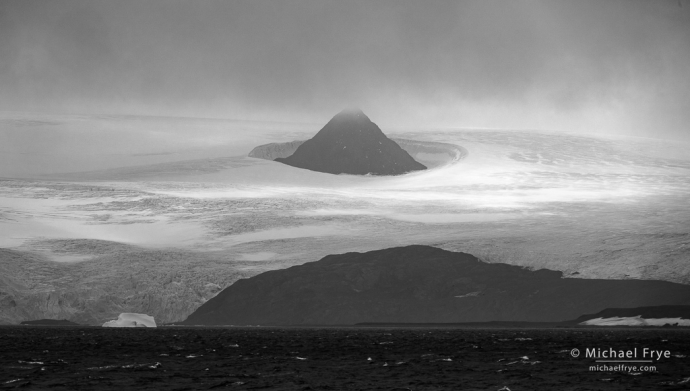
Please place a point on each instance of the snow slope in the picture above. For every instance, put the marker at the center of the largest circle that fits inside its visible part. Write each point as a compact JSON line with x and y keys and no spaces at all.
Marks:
{"x":636,"y":321}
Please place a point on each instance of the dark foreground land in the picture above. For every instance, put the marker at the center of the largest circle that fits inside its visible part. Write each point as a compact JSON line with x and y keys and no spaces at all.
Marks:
{"x":181,"y":358}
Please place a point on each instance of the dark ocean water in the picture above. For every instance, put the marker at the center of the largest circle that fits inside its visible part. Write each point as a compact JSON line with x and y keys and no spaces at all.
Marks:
{"x":177,"y":358}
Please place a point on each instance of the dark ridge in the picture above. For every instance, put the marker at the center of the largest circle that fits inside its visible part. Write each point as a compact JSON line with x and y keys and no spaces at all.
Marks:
{"x":351,"y":144}
{"x":479,"y":325}
{"x":50,"y":322}
{"x":422,"y":284}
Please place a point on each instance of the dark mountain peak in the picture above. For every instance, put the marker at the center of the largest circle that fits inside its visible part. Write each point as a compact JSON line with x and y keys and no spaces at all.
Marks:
{"x":350,"y":125}
{"x":350,"y":143}
{"x":353,"y":116}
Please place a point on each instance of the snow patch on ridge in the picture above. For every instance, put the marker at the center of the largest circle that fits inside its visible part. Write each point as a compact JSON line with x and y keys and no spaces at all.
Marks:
{"x":635,"y":321}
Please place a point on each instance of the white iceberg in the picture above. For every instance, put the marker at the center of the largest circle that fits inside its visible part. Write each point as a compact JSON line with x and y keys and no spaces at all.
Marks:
{"x":471,"y":294}
{"x":635,"y":321}
{"x":131,"y":320}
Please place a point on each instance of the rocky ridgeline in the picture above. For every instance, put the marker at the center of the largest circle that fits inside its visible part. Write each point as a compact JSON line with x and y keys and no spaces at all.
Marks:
{"x":273,"y":151}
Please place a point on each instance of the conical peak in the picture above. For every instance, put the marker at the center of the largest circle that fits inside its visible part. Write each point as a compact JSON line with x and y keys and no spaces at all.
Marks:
{"x":351,"y":143}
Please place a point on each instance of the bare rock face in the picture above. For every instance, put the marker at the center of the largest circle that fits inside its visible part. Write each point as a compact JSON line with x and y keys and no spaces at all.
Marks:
{"x":422,"y":284}
{"x":351,"y":144}
{"x":275,"y":150}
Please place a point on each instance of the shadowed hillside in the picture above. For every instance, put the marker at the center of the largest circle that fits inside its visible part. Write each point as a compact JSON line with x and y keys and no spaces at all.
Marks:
{"x":418,"y":284}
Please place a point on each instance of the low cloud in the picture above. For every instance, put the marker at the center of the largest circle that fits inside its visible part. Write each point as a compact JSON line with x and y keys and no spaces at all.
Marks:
{"x":614,"y":66}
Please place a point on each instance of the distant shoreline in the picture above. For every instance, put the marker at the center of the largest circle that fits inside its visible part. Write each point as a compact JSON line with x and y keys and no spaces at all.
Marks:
{"x":401,"y":326}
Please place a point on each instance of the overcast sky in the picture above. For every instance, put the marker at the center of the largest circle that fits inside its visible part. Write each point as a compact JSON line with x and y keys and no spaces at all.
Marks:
{"x":590,"y":66}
